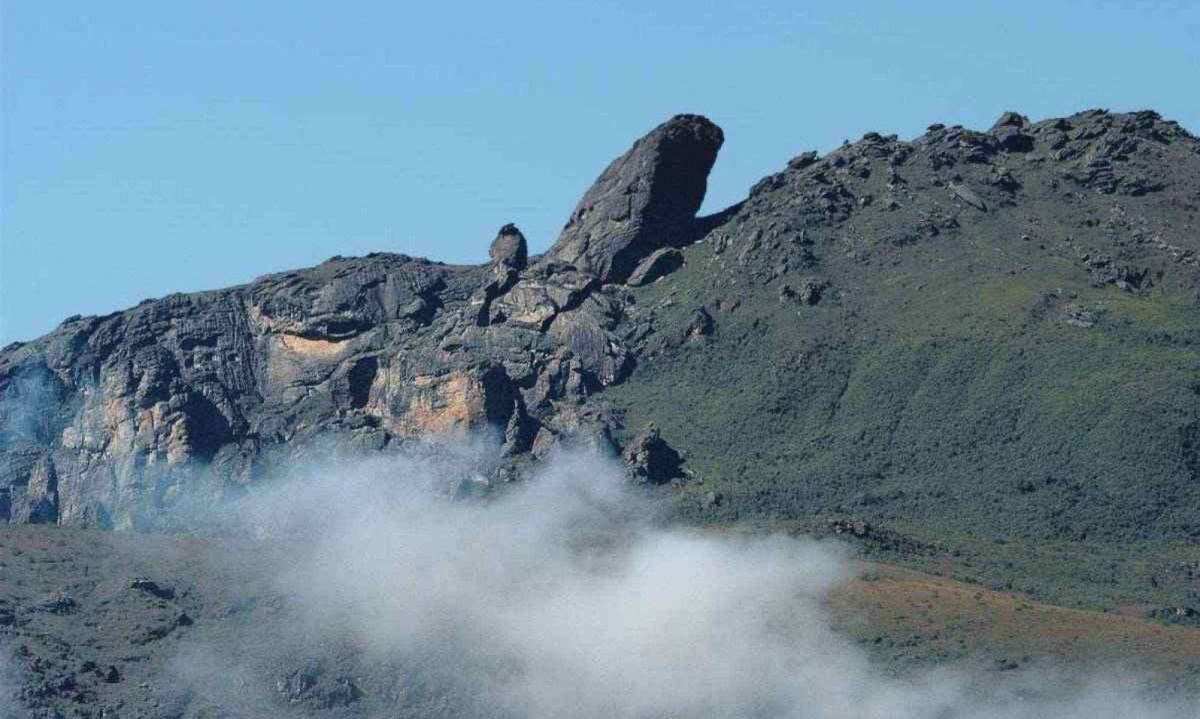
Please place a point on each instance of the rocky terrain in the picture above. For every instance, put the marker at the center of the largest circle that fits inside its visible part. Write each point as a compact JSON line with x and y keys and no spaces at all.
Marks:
{"x":975,"y":353}
{"x":108,"y":420}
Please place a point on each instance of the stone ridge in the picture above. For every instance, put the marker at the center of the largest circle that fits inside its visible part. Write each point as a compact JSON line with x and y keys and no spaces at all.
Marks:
{"x":111,"y":421}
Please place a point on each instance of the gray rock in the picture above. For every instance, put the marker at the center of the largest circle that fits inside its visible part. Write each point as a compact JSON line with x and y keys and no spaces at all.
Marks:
{"x":700,"y":325}
{"x":509,"y":254}
{"x":1010,"y":132}
{"x":809,"y":292}
{"x":1010,"y":119}
{"x":645,"y":200}
{"x":968,"y":196}
{"x":509,"y":249}
{"x":650,"y":459}
{"x":660,"y":263}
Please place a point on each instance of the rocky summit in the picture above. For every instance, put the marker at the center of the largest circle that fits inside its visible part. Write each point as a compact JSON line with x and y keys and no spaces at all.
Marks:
{"x":986,"y":333}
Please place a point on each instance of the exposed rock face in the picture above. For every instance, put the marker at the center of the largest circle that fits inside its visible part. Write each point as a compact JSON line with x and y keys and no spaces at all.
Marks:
{"x":509,"y":254}
{"x":110,"y":421}
{"x":509,"y":250}
{"x":645,"y":200}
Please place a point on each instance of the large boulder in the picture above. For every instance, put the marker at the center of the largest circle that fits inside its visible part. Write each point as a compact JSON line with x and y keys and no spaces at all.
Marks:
{"x":645,"y":200}
{"x":509,"y":250}
{"x":649,"y":459}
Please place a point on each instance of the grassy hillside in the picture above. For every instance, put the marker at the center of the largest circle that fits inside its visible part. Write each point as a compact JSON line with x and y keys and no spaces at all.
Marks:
{"x":992,"y":380}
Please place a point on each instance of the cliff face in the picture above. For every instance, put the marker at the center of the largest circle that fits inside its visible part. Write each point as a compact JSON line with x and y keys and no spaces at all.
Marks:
{"x":109,"y":420}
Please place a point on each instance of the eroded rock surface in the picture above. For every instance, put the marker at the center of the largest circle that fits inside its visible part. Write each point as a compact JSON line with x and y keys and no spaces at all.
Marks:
{"x":110,"y":421}
{"x":645,"y":200}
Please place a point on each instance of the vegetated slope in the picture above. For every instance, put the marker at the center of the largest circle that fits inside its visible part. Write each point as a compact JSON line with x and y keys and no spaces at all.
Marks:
{"x":985,"y":334}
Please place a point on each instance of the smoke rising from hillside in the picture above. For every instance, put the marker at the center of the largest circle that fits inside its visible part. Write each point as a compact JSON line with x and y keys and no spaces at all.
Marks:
{"x":563,"y":597}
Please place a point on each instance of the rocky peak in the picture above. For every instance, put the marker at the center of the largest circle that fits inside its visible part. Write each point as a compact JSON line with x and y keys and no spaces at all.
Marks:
{"x":509,"y":250}
{"x":645,"y":200}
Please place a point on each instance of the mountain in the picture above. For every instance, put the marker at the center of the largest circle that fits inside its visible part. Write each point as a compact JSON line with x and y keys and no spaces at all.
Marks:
{"x":974,"y":354}
{"x":972,"y":334}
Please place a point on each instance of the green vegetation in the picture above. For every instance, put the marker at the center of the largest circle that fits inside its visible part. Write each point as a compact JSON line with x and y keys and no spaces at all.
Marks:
{"x":1039,"y":430}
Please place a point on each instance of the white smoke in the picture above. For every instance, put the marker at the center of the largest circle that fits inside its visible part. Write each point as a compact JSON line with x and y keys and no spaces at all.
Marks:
{"x":565,"y":597}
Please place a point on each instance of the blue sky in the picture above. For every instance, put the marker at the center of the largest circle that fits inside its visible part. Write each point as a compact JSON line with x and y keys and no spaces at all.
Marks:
{"x":153,"y":147}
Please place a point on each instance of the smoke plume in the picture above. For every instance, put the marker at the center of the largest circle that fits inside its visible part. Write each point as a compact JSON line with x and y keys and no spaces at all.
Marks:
{"x":563,"y":596}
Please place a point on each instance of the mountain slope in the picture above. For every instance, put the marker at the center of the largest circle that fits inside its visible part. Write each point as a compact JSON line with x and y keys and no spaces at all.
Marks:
{"x":971,"y":334}
{"x":947,"y":333}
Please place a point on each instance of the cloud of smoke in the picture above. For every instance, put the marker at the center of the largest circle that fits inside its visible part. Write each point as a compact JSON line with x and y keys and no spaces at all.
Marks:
{"x":563,"y":596}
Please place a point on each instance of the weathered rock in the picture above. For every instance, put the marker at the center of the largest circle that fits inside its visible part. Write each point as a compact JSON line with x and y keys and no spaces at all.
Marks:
{"x":645,"y":200}
{"x":968,"y":196}
{"x":509,"y":250}
{"x":808,"y":293}
{"x":1010,"y":134}
{"x":533,"y":302}
{"x":1010,"y":119}
{"x":111,"y":421}
{"x":311,"y":685}
{"x":650,"y":459}
{"x":509,"y":255}
{"x":153,"y":588}
{"x":660,"y":263}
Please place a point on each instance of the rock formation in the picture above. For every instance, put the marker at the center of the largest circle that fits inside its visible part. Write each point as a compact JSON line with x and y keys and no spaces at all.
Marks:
{"x":110,"y":421}
{"x":645,"y":200}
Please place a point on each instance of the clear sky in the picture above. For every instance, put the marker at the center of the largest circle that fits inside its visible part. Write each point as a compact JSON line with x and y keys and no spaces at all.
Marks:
{"x":152,"y":147}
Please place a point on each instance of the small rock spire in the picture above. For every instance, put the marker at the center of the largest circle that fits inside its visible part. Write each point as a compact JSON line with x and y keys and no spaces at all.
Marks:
{"x":509,"y":250}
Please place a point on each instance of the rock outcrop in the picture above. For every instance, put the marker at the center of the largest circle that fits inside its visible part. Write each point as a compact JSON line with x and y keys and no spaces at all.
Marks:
{"x":645,"y":200}
{"x":650,"y":459}
{"x":110,"y":421}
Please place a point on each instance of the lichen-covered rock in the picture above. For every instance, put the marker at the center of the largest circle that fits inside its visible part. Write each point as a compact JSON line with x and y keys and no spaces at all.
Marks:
{"x":645,"y":200}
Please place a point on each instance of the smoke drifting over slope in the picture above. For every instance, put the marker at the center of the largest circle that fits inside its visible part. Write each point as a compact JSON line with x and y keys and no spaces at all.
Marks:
{"x":562,"y":597}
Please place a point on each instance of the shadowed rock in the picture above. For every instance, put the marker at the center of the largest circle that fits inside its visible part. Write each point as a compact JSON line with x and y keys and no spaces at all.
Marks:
{"x":659,"y":263}
{"x":509,"y":249}
{"x":509,"y":254}
{"x":645,"y":200}
{"x":650,"y":459}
